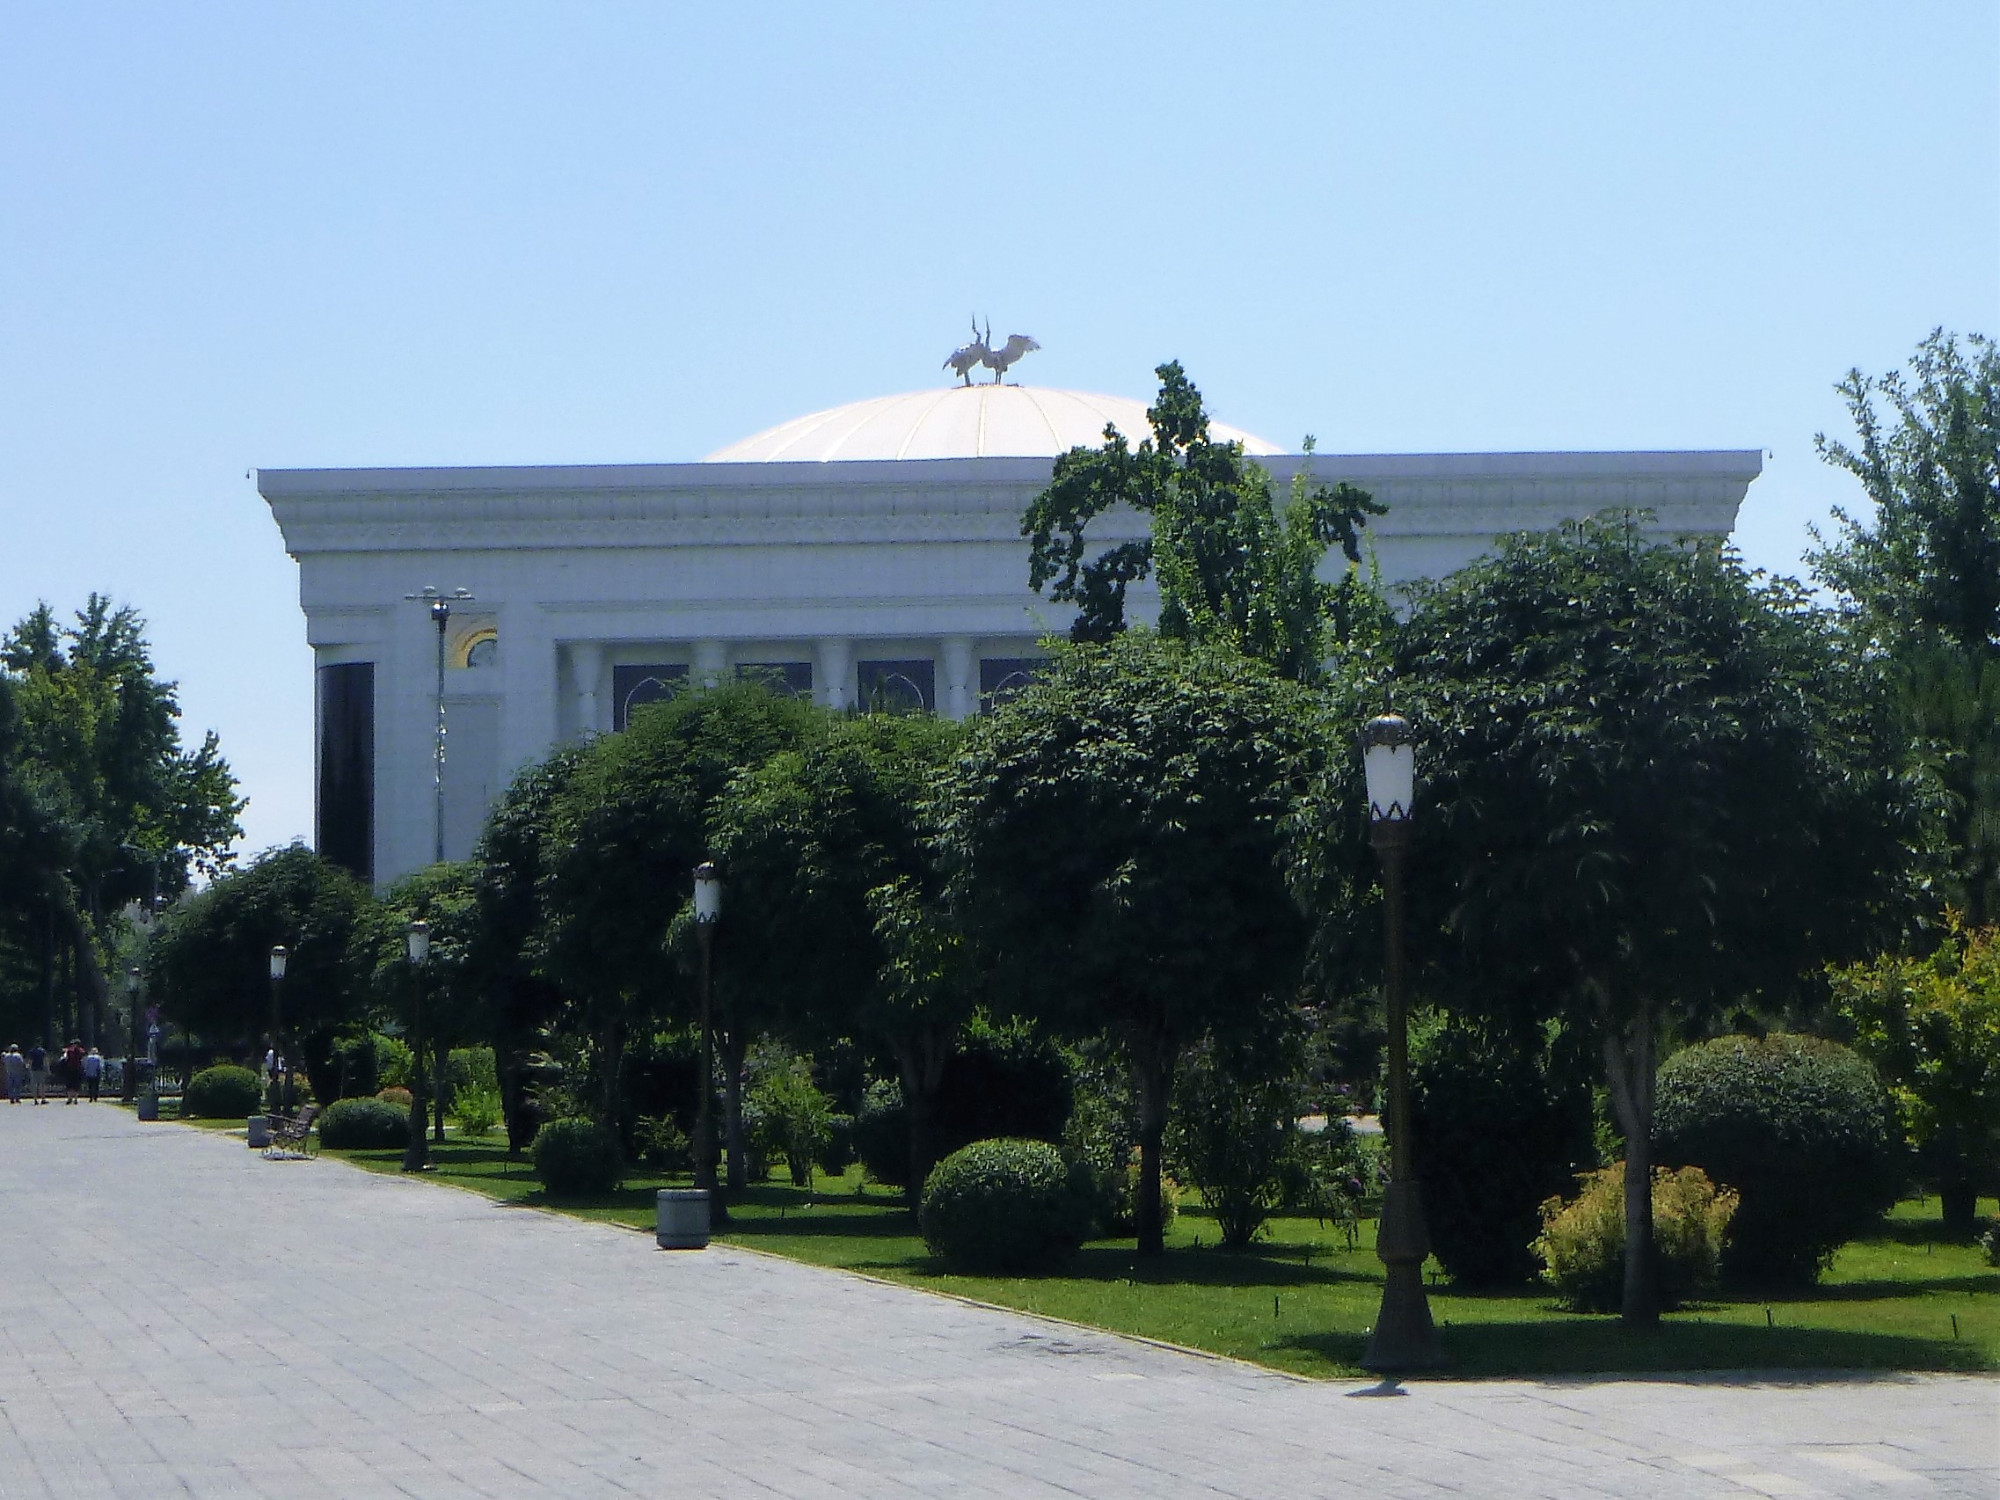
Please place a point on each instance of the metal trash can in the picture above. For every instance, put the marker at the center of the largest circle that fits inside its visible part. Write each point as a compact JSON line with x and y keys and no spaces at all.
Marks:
{"x":681,"y":1219}
{"x":260,"y":1131}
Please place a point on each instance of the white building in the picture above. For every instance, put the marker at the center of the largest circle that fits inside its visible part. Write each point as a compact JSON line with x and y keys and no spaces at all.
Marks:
{"x":868,"y":554}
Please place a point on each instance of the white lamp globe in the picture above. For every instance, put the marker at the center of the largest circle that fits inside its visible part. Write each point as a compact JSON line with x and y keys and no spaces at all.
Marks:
{"x":707,"y":893}
{"x":1389,"y":757}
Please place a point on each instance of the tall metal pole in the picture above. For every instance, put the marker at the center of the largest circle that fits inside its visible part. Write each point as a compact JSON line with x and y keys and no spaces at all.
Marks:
{"x":441,"y":613}
{"x":416,"y":1153}
{"x":1404,"y":1339}
{"x":707,"y":911}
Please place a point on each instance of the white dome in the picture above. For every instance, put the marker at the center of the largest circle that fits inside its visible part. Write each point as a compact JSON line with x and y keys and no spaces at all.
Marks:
{"x":978,"y":421}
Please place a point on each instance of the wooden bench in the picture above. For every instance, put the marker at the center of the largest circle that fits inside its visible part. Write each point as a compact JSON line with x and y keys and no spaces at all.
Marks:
{"x":291,"y":1135}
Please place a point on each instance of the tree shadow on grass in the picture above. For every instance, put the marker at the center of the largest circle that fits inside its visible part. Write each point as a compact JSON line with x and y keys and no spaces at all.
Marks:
{"x":1594,"y":1345}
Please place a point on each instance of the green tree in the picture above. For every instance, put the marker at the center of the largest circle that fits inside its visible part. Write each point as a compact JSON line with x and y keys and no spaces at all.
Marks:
{"x":1115,"y":840}
{"x":1921,"y":577}
{"x":625,"y":832}
{"x":210,"y":959}
{"x":97,"y":741}
{"x":1231,"y":568}
{"x":1651,"y":786}
{"x":1932,"y":1027}
{"x":508,"y":868}
{"x":832,"y":919}
{"x":441,"y":1003}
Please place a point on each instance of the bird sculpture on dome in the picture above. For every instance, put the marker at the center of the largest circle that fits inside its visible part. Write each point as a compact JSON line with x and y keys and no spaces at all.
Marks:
{"x":981,"y":352}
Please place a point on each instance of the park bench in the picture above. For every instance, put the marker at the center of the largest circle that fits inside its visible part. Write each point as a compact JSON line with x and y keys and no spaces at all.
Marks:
{"x":291,"y":1135}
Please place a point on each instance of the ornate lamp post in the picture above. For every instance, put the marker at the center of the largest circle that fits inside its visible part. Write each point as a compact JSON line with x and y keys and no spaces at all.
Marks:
{"x":417,"y":944}
{"x":707,"y":912}
{"x":280,"y":1064}
{"x":129,"y":1090}
{"x":1404,"y":1337}
{"x":441,"y":617}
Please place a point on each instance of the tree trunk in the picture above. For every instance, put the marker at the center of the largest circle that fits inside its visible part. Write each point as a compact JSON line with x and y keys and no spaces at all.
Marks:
{"x":49,"y":974}
{"x":735,"y":1047}
{"x":1153,"y":1075}
{"x":443,"y":1055}
{"x":89,"y":978}
{"x":921,"y":1058}
{"x":1628,"y":1071}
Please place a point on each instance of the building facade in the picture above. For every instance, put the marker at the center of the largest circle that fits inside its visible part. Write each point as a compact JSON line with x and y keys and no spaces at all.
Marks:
{"x":870,"y":556}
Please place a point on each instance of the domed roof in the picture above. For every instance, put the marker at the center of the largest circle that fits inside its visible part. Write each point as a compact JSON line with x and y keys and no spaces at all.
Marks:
{"x":978,"y":421}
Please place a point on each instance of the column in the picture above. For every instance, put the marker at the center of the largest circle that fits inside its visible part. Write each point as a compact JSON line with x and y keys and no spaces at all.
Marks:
{"x":833,"y":665}
{"x":960,"y":690}
{"x":586,"y":672}
{"x":711,"y":662}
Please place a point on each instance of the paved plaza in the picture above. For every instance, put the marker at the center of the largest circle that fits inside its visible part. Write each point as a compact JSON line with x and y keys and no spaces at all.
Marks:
{"x":183,"y":1317}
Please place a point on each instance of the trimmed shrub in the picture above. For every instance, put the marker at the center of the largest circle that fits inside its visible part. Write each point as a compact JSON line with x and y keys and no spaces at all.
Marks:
{"x":662,"y":1144}
{"x":1500,"y":1124}
{"x":397,"y":1095}
{"x":1004,"y":1207}
{"x":837,"y":1155}
{"x":1582,"y":1243}
{"x":794,"y":1119}
{"x":1800,"y":1127}
{"x":222,"y":1093}
{"x":364,"y":1125}
{"x":882,"y":1134}
{"x":577,"y":1158}
{"x":1232,"y":1137}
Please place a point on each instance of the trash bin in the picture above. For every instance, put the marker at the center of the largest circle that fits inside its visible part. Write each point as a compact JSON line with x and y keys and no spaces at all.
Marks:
{"x":681,"y":1219}
{"x":260,"y":1131}
{"x":149,"y":1106}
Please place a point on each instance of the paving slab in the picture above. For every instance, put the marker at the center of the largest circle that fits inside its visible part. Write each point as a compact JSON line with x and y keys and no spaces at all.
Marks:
{"x":183,"y":1317}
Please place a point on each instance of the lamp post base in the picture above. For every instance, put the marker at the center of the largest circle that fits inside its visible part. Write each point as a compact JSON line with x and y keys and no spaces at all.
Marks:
{"x":1405,"y":1340}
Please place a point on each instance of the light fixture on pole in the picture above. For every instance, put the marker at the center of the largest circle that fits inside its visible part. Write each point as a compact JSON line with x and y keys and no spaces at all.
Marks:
{"x":1404,"y":1338}
{"x":279,"y":1062}
{"x":440,"y":606}
{"x":707,"y":912}
{"x":129,"y":1088}
{"x":417,"y":945}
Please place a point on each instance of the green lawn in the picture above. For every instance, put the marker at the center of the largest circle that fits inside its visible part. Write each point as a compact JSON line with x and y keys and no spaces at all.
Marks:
{"x":1303,"y":1301}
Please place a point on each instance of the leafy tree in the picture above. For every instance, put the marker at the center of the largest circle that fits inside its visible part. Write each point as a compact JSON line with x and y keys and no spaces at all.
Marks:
{"x":1652,"y":786}
{"x":832,"y":912}
{"x":1114,"y":836}
{"x":508,"y":867}
{"x":442,"y":1003}
{"x":1932,"y":1027}
{"x":1231,"y":569}
{"x":211,"y":957}
{"x":1921,"y":578}
{"x":95,"y":745}
{"x":627,"y":828}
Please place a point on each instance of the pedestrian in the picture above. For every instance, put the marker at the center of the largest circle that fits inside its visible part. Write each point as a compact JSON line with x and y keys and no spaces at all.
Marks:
{"x":72,"y":1071}
{"x":38,"y":1071}
{"x":17,"y":1072}
{"x":93,"y":1072}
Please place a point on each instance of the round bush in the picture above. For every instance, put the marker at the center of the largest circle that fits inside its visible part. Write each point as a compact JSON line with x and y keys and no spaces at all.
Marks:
{"x":364,"y":1125}
{"x":1500,"y":1124}
{"x":1003,"y":1207}
{"x":1800,"y":1127}
{"x":222,"y":1093}
{"x":577,"y":1158}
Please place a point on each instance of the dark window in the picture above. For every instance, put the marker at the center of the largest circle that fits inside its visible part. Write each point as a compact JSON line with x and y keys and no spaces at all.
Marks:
{"x":794,"y":677}
{"x":1001,"y":677}
{"x":635,"y":687}
{"x":896,"y":687}
{"x":346,"y":803}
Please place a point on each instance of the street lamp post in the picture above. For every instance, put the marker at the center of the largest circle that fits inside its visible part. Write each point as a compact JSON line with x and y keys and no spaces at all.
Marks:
{"x":440,"y":606}
{"x":417,"y":944}
{"x":707,"y":912}
{"x":280,"y":1063}
{"x":129,"y":1090}
{"x":1404,"y":1336}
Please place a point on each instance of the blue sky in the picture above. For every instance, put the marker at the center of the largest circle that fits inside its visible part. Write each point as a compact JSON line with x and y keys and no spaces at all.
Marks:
{"x":288,"y":235}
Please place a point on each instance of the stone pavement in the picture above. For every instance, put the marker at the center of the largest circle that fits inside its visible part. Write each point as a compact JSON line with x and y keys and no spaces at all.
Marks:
{"x":181,"y":1317}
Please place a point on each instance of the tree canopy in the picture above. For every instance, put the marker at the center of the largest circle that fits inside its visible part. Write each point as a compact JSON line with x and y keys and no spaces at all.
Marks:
{"x":1231,"y":568}
{"x":1115,"y":840}
{"x":1651,"y":786}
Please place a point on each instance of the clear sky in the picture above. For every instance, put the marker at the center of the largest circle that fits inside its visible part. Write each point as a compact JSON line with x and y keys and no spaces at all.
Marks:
{"x":277,"y":235}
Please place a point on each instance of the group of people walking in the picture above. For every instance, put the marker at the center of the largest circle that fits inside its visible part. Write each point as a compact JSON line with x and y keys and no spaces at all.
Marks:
{"x":29,"y":1072}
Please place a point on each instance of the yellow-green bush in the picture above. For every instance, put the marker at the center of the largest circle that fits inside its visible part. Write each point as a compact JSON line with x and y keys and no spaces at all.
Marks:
{"x":1582,"y":1243}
